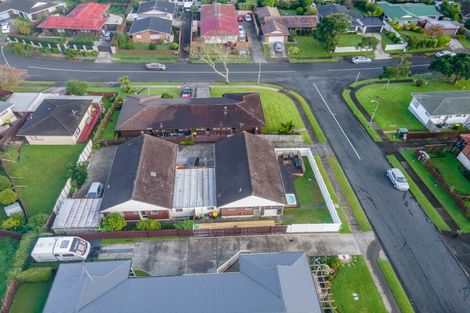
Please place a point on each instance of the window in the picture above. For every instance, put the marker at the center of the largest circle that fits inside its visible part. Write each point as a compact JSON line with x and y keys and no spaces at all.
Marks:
{"x":68,"y":255}
{"x":138,"y":36}
{"x":155,"y":37}
{"x":60,"y":30}
{"x":36,"y":138}
{"x":179,"y":210}
{"x":77,"y":132}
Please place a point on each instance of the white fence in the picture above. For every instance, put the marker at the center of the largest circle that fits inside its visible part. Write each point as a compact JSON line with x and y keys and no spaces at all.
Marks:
{"x":398,"y":46}
{"x":351,"y":49}
{"x":323,"y":227}
{"x":86,"y":152}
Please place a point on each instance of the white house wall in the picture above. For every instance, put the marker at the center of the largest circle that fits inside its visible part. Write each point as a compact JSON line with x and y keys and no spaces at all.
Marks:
{"x":133,"y":206}
{"x":419,"y":111}
{"x":251,"y":201}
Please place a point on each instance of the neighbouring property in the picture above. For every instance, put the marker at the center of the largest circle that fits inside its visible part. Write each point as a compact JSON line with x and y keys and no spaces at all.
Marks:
{"x":277,"y":28}
{"x":447,"y":27}
{"x":151,"y":30}
{"x":464,"y":155}
{"x":218,"y":23}
{"x":265,"y":282}
{"x":408,"y":12}
{"x":62,"y":120}
{"x":155,"y":8}
{"x":32,"y":10}
{"x":359,"y":23}
{"x":195,"y":119}
{"x":437,"y":110}
{"x":85,"y":19}
{"x":154,"y":178}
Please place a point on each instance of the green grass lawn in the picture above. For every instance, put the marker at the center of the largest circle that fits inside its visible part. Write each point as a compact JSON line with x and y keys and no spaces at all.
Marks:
{"x":31,"y":298}
{"x":393,"y":101}
{"x":307,"y":190}
{"x":356,"y":278}
{"x":7,"y":250}
{"x":174,"y":92}
{"x":277,"y":108}
{"x":141,"y":273}
{"x":397,"y":290}
{"x":108,"y":131}
{"x":386,"y":40}
{"x":309,"y":47}
{"x":306,"y":216}
{"x":430,"y":181}
{"x":40,"y":173}
{"x":350,"y":195}
{"x":430,"y":210}
{"x":349,"y":40}
{"x":448,"y":167}
{"x":287,"y":11}
{"x":465,"y":42}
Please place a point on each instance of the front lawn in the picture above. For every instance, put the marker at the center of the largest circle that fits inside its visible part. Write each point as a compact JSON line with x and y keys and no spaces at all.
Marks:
{"x":448,"y":167}
{"x":39,"y":173}
{"x":465,"y":42}
{"x":430,"y":181}
{"x":306,"y":216}
{"x":393,"y":102}
{"x":395,"y":286}
{"x":31,"y":298}
{"x":7,"y":250}
{"x":309,"y":47}
{"x":144,"y":58}
{"x":277,"y":108}
{"x":349,"y":40}
{"x":355,"y":279}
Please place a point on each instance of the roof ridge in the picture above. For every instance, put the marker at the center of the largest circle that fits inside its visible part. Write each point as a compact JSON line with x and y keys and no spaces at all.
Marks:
{"x":250,"y":165}
{"x":139,"y":167}
{"x":58,"y":121}
{"x":133,"y":116}
{"x":239,"y":103}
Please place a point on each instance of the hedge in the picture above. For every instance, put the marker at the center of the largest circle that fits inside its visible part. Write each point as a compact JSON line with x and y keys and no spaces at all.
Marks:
{"x":35,"y":275}
{"x":22,"y":254}
{"x":37,"y":40}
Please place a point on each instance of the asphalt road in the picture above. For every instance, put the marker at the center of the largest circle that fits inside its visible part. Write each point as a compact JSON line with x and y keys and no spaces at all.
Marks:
{"x":432,"y":277}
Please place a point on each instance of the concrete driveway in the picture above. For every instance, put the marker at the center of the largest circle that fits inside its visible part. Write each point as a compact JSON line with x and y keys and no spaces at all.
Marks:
{"x":257,"y":53}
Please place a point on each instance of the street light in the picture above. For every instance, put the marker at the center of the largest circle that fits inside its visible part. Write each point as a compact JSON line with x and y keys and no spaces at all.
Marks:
{"x":375,"y":111}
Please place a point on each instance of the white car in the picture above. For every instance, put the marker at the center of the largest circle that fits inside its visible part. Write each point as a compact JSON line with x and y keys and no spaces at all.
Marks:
{"x":241,"y":29}
{"x":248,"y":18}
{"x":5,"y":28}
{"x":155,"y":67}
{"x":278,"y":47}
{"x":398,"y":179}
{"x":361,"y":59}
{"x":444,"y":52}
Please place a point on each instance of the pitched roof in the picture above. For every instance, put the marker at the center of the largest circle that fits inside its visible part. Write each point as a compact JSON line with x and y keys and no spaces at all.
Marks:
{"x":263,"y":12}
{"x":156,"y":5}
{"x":219,"y":20}
{"x":151,"y":112}
{"x":293,"y":21}
{"x":143,"y":170}
{"x":4,"y":105}
{"x":273,"y":22}
{"x":271,"y":26}
{"x":445,"y":24}
{"x":151,"y":23}
{"x":270,"y":282}
{"x":408,"y":11}
{"x":246,"y":165}
{"x":370,"y":21}
{"x":89,"y":16}
{"x":465,"y":8}
{"x":332,"y":8}
{"x":28,"y":6}
{"x":445,"y":103}
{"x":56,"y":117}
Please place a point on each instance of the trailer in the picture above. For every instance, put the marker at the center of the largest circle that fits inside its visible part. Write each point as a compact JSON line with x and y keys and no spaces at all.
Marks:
{"x":60,"y":249}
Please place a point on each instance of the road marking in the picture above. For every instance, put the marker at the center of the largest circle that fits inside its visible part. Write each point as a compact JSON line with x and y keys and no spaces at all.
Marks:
{"x":369,"y":68}
{"x":150,"y":72}
{"x":4,"y":57}
{"x":334,"y":117}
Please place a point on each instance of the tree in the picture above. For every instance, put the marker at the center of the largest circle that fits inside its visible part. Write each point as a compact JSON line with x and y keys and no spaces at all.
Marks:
{"x":400,"y":70}
{"x":76,"y":87}
{"x":215,"y":53}
{"x":306,"y":4}
{"x":368,"y":43}
{"x":125,"y":83}
{"x":293,"y":51}
{"x":114,"y":222}
{"x":286,"y":128}
{"x":311,"y":11}
{"x":10,"y":77}
{"x":434,"y":31}
{"x":455,"y":67}
{"x":451,"y":10}
{"x":329,"y":28}
{"x":148,"y":225}
{"x":23,"y":26}
{"x":77,"y":172}
{"x":15,"y":221}
{"x":8,"y":196}
{"x":299,"y":11}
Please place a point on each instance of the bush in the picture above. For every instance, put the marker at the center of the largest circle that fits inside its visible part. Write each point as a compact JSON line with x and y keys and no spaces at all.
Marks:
{"x":184,"y":225}
{"x":23,"y":50}
{"x":443,"y":41}
{"x":114,"y":222}
{"x":4,"y":182}
{"x":77,"y":172}
{"x":166,"y":95}
{"x":293,"y":51}
{"x":37,"y":221}
{"x":460,"y":36}
{"x":76,"y":87}
{"x":35,"y":275}
{"x":420,"y":82}
{"x":311,"y":11}
{"x":174,"y":46}
{"x":14,"y":222}
{"x":286,"y":128}
{"x":23,"y":26}
{"x":148,"y":225}
{"x":8,"y":196}
{"x":299,"y":11}
{"x":168,"y":226}
{"x":22,"y":254}
{"x":152,"y":46}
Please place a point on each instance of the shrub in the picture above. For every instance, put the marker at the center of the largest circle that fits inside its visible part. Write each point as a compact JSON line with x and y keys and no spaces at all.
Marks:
{"x":114,"y":222}
{"x":35,"y":275}
{"x":23,"y":26}
{"x":184,"y":225}
{"x":293,"y":51}
{"x":14,"y":222}
{"x":299,"y":11}
{"x":4,"y":182}
{"x":37,"y":221}
{"x":420,"y":82}
{"x":311,"y":11}
{"x":460,"y":36}
{"x":168,"y":226}
{"x":166,"y":95}
{"x":21,"y":49}
{"x":174,"y":46}
{"x":125,"y":83}
{"x":76,"y":87}
{"x":152,"y":46}
{"x":443,"y":41}
{"x":148,"y":225}
{"x":22,"y":254}
{"x":8,"y":196}
{"x":286,"y":128}
{"x":77,"y":172}
{"x":335,"y":263}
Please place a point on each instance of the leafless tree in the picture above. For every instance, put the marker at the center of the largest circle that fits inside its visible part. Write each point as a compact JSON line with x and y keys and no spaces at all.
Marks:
{"x":10,"y":77}
{"x":217,"y":53}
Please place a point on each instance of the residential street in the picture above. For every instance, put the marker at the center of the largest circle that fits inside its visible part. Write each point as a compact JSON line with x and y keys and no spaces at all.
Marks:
{"x":431,"y":275}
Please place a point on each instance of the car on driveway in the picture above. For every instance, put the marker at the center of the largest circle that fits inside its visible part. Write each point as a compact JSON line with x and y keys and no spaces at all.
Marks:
{"x":186,"y":92}
{"x":95,"y":190}
{"x":278,"y":47}
{"x":398,"y":179}
{"x":5,"y":27}
{"x":240,"y":18}
{"x":443,"y":53}
{"x":241,"y":29}
{"x":155,"y":67}
{"x":248,"y":18}
{"x":361,"y":60}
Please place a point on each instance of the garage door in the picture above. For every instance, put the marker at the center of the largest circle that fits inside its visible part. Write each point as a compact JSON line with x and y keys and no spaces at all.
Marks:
{"x":275,"y":38}
{"x":373,"y":29}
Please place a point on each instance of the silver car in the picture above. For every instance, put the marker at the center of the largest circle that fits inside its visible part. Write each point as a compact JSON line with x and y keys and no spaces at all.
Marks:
{"x":444,"y":52}
{"x":278,"y":47}
{"x":155,"y":67}
{"x":361,"y":59}
{"x":398,"y":179}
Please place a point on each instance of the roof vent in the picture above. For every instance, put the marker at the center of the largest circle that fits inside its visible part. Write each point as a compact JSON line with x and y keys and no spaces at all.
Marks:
{"x":225,"y":111}
{"x":153,"y":174}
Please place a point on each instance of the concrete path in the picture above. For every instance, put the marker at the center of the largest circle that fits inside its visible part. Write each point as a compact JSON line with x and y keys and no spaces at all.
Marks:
{"x":104,"y":57}
{"x":379,"y":53}
{"x":455,"y":45}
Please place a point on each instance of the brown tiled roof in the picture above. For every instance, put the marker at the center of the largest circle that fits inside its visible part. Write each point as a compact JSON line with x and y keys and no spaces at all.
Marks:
{"x":266,"y":12}
{"x":291,"y":21}
{"x":270,"y":26}
{"x":246,"y":165}
{"x":232,"y":110}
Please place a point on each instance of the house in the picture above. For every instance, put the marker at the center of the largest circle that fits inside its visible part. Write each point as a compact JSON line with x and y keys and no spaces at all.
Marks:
{"x":156,"y":8}
{"x":464,"y":155}
{"x":151,"y":30}
{"x":148,"y":181}
{"x":465,"y":8}
{"x":408,"y":12}
{"x":32,"y":10}
{"x":28,"y":102}
{"x":276,"y":28}
{"x":6,"y":113}
{"x":359,"y":23}
{"x":219,"y":23}
{"x":265,"y":282}
{"x":196,"y":119}
{"x":85,"y":19}
{"x":448,"y":27}
{"x":62,"y":120}
{"x":437,"y":109}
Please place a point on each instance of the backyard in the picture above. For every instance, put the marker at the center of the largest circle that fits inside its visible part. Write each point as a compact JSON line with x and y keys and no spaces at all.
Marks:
{"x":392,"y":112}
{"x":39,"y":173}
{"x":355,"y":279}
{"x":448,"y":167}
{"x":31,"y":297}
{"x":7,"y":250}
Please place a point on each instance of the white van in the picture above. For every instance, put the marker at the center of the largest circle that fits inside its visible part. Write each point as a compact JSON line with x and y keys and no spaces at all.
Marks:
{"x":62,"y":249}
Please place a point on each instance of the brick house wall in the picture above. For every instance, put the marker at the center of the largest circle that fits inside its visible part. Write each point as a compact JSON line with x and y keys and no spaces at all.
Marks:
{"x":152,"y":37}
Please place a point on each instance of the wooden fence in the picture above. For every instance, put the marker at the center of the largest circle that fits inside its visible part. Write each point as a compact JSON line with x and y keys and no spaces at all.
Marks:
{"x":437,"y":136}
{"x":11,"y":234}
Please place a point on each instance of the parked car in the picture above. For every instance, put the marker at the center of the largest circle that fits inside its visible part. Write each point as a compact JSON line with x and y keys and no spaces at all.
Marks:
{"x":240,"y":18}
{"x":108,"y":36}
{"x":241,"y":29}
{"x":443,"y":53}
{"x":278,"y":46}
{"x":361,"y":59}
{"x":248,"y":18}
{"x":186,"y":92}
{"x":95,"y":190}
{"x":398,"y":179}
{"x":155,"y":67}
{"x":5,"y":27}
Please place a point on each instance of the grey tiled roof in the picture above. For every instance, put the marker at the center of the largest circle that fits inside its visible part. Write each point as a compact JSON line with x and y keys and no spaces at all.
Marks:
{"x":159,"y":5}
{"x":5,"y":105}
{"x":27,"y":6}
{"x":445,"y":103}
{"x":266,"y":283}
{"x":157,"y":24}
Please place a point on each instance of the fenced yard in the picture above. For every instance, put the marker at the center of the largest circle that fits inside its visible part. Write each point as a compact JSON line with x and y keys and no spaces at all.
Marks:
{"x":7,"y":250}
